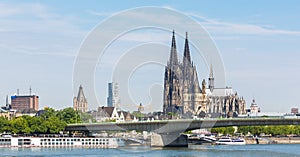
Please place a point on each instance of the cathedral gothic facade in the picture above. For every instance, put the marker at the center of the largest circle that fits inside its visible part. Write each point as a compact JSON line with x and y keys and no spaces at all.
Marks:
{"x":182,"y":92}
{"x":183,"y":95}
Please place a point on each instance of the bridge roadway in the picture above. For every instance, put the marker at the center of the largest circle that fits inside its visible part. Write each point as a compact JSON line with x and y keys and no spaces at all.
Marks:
{"x":179,"y":126}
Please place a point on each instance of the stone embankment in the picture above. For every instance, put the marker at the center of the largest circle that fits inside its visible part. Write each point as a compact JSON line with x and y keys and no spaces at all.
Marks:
{"x":274,"y":140}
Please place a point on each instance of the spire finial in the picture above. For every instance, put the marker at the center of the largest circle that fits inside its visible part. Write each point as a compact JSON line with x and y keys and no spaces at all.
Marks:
{"x":173,"y":55}
{"x":80,"y":92}
{"x":7,"y":100}
{"x":211,"y":79}
{"x":211,"y":74}
{"x":186,"y":54}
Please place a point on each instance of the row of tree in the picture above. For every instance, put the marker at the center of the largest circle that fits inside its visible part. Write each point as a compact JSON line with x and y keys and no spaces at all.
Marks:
{"x":223,"y":130}
{"x":50,"y":121}
{"x":271,"y":130}
{"x":281,"y":130}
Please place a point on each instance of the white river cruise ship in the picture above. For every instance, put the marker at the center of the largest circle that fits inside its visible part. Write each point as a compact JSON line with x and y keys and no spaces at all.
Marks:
{"x":96,"y":142}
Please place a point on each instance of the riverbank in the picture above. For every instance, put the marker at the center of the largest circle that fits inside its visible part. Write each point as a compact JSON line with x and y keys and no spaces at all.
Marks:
{"x":286,"y":150}
{"x":274,"y":140}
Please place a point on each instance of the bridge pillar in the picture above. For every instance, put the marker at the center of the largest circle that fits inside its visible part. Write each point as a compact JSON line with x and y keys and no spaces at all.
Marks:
{"x":169,"y":140}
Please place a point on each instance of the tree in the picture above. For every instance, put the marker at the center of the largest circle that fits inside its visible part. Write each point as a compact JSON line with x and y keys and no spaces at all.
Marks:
{"x":138,"y":114}
{"x":37,"y":125}
{"x":86,"y":118}
{"x":69,"y":115}
{"x":223,"y":130}
{"x":4,"y":124}
{"x":282,"y":130}
{"x":244,"y":130}
{"x":53,"y":125}
{"x":20,"y":125}
{"x":49,"y":112}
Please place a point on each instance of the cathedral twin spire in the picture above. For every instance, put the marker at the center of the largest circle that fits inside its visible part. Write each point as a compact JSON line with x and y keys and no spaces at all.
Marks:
{"x":181,"y":86}
{"x":173,"y":54}
{"x":186,"y":55}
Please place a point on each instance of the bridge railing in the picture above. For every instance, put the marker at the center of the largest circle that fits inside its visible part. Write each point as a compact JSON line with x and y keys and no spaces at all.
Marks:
{"x":183,"y":120}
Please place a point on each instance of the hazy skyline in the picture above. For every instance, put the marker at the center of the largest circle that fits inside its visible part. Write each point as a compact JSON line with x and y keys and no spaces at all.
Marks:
{"x":258,"y":43}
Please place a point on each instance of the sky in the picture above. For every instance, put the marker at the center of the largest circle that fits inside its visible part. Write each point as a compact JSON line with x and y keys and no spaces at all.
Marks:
{"x":258,"y":42}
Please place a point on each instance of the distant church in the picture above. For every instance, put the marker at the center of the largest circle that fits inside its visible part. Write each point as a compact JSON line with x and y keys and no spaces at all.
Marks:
{"x":80,"y":102}
{"x":183,"y":95}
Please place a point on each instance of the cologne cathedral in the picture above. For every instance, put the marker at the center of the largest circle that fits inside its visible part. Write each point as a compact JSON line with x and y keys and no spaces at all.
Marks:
{"x":182,"y":92}
{"x":183,"y":95}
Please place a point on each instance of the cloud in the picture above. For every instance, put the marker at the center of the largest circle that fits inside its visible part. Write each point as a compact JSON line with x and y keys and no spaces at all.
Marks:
{"x":34,"y":29}
{"x":27,"y":50}
{"x":217,"y":26}
{"x":96,"y":13}
{"x":146,"y":36}
{"x":35,"y":17}
{"x":6,"y":10}
{"x":9,"y":10}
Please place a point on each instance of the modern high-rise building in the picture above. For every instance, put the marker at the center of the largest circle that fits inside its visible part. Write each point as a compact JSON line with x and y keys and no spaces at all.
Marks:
{"x":22,"y":102}
{"x":80,"y":102}
{"x":113,"y":99}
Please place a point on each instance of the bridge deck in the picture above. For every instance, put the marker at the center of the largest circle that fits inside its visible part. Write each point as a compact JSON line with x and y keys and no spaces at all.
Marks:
{"x":178,"y":126}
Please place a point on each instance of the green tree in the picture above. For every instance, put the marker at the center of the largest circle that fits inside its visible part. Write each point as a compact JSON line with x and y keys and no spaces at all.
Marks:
{"x":53,"y":125}
{"x":49,"y":112}
{"x":86,"y":118}
{"x":4,"y":124}
{"x":20,"y":125}
{"x":223,"y":130}
{"x":138,"y":114}
{"x":37,"y":125}
{"x":57,"y":125}
{"x":282,"y":130}
{"x":69,"y":115}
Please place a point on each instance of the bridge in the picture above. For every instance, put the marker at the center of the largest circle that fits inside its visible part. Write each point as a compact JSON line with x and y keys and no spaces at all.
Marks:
{"x":168,"y":131}
{"x":169,"y":126}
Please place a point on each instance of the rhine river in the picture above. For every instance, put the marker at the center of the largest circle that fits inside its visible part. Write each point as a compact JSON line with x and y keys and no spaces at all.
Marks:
{"x":278,"y":150}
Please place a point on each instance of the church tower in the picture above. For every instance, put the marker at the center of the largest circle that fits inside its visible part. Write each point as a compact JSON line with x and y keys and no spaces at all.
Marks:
{"x":172,"y":89}
{"x":80,"y":102}
{"x":211,"y":79}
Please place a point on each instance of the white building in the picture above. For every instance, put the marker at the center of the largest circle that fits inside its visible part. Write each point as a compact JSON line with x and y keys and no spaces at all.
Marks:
{"x":111,"y":114}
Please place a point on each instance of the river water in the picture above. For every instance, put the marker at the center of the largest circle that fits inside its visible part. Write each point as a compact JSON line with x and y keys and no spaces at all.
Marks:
{"x":279,"y":150}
